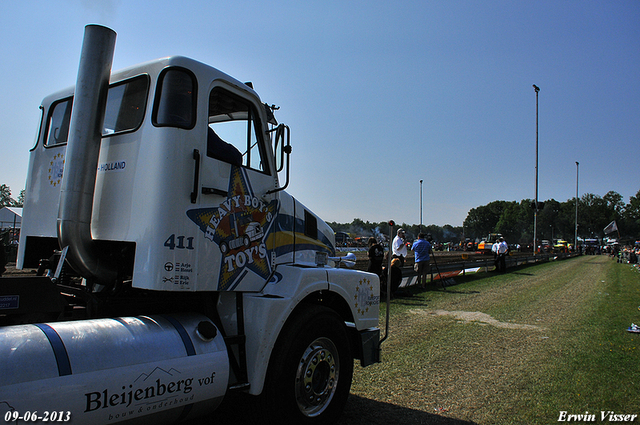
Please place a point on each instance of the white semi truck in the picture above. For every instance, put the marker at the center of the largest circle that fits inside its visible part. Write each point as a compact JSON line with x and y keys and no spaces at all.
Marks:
{"x":174,"y":267}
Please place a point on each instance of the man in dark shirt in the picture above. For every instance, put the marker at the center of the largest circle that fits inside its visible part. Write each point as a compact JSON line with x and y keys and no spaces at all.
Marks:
{"x":376,"y":255}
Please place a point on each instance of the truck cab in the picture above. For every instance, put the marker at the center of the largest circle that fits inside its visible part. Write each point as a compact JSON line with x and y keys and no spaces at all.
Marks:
{"x":189,"y":178}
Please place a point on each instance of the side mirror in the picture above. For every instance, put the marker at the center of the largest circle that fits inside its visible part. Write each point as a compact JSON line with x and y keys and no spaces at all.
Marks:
{"x":282,"y":146}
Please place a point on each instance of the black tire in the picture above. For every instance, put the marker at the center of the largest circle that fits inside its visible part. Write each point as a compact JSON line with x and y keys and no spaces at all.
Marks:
{"x":310,"y":371}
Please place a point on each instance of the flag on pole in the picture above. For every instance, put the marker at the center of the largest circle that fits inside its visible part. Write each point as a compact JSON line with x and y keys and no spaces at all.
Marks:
{"x":611,"y":227}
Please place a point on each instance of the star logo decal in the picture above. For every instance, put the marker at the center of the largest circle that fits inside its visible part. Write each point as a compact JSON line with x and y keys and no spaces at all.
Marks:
{"x":56,"y":167}
{"x":363,"y":296}
{"x":239,"y":226}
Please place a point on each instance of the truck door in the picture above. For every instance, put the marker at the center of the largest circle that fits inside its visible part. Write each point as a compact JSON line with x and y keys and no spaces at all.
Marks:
{"x":235,"y":213}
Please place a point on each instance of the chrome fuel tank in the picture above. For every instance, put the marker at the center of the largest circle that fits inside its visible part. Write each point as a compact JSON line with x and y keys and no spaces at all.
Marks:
{"x":112,"y":370}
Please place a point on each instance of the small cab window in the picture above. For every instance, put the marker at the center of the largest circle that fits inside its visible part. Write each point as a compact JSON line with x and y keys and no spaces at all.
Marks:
{"x":58,"y":122}
{"x":310,"y":225}
{"x":126,"y":104}
{"x":234,"y":133}
{"x":175,"y":104}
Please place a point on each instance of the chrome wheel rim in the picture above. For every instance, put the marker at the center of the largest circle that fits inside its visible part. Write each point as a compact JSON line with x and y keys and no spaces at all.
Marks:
{"x":317,"y":377}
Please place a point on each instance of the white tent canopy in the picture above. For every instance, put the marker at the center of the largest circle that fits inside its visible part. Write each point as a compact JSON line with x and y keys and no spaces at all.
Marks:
{"x":10,"y":217}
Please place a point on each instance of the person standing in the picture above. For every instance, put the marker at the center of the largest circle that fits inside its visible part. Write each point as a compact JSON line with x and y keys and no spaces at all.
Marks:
{"x":494,"y":251}
{"x":396,"y":278}
{"x":376,"y":255}
{"x":421,"y":247}
{"x":502,"y":250}
{"x":399,"y":246}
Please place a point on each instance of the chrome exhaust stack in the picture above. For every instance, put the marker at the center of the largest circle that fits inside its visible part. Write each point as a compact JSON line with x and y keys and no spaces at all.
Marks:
{"x":81,"y":158}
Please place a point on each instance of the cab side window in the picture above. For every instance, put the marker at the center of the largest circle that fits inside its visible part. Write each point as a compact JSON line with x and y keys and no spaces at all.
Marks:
{"x":234,"y":134}
{"x":175,"y":103}
{"x":126,"y":104}
{"x":58,"y":122}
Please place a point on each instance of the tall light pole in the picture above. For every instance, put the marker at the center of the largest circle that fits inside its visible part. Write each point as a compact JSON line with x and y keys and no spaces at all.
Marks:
{"x":575,"y":238}
{"x":420,"y":231}
{"x":535,"y":216}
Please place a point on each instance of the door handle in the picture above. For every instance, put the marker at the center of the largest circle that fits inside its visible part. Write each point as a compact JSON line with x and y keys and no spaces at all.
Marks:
{"x":196,"y":176}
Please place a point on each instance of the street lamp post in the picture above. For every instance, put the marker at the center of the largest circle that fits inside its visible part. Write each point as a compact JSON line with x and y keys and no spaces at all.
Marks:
{"x":420,"y":231}
{"x":535,"y":216}
{"x":575,"y":237}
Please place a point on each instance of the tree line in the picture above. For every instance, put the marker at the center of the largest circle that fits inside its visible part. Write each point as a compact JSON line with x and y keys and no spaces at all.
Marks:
{"x":380,"y":230}
{"x":7,"y":201}
{"x":514,"y":220}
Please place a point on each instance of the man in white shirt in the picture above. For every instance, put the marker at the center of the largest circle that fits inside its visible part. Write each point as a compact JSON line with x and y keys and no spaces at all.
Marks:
{"x":494,"y":251}
{"x":501,"y":251}
{"x":399,"y":246}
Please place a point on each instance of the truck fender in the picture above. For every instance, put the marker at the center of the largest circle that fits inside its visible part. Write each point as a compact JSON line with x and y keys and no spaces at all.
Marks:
{"x":362,"y":290}
{"x":267,"y":312}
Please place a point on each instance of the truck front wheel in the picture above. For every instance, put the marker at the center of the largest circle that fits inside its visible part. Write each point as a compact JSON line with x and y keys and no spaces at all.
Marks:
{"x":310,"y":370}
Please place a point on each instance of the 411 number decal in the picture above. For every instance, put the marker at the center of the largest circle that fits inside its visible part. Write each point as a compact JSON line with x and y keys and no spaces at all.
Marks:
{"x":178,"y":242}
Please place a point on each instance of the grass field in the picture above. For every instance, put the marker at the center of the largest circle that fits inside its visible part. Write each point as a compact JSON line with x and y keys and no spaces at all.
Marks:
{"x":518,"y":348}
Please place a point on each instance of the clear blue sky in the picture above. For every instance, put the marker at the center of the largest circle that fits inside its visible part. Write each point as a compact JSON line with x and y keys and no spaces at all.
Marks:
{"x":378,"y":94}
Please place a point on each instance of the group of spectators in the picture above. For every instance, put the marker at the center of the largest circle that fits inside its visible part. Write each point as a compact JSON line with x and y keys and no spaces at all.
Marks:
{"x":627,"y":255}
{"x":399,"y":249}
{"x":422,"y":248}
